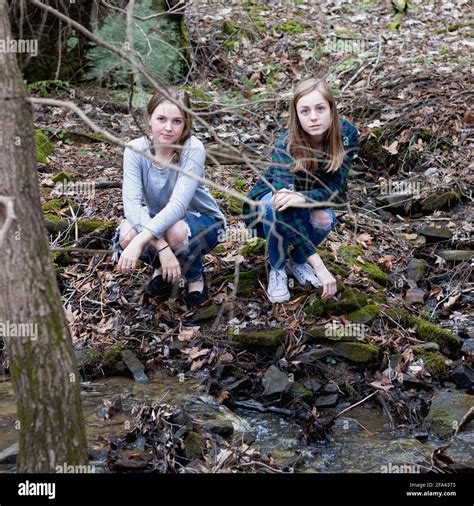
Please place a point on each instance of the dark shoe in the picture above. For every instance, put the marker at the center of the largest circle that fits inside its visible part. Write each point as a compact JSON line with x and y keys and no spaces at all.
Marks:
{"x":159,"y":287}
{"x":196,"y":298}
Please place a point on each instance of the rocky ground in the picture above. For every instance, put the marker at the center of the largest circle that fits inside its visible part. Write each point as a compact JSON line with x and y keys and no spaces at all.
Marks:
{"x":402,"y":327}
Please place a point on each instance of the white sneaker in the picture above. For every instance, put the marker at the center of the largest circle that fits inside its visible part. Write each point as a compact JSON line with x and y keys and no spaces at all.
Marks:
{"x":303,"y":273}
{"x":278,"y":286}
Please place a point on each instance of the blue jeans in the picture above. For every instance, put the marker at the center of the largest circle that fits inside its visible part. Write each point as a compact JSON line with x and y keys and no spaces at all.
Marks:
{"x":205,"y":232}
{"x":278,"y":241}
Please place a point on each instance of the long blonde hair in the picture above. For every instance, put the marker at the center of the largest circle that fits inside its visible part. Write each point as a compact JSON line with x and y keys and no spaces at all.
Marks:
{"x":299,"y":145}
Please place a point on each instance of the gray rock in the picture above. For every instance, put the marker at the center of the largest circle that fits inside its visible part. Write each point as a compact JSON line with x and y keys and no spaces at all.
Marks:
{"x":416,"y":269}
{"x":430,"y":171}
{"x":326,"y":401}
{"x":395,"y":201}
{"x":456,"y":255}
{"x":435,"y":234}
{"x":330,"y":388}
{"x":463,"y":376}
{"x":9,"y":455}
{"x":468,"y":347}
{"x":446,"y":411}
{"x":134,"y":365}
{"x":275,"y":381}
{"x":312,"y":384}
{"x":415,"y":296}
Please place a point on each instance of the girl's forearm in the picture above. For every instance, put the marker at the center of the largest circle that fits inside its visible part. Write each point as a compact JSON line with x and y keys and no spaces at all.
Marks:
{"x":316,"y":262}
{"x":145,"y":237}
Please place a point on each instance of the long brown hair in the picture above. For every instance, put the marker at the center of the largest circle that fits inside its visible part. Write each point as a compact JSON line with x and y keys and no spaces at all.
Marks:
{"x":299,"y":145}
{"x":181,"y":101}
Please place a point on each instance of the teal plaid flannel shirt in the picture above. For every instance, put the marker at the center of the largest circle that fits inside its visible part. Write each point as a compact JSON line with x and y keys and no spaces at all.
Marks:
{"x":291,"y":220}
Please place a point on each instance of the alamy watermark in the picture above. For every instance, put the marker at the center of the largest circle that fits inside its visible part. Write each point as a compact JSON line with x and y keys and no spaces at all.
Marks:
{"x":13,"y":329}
{"x":236,"y":235}
{"x":401,"y":188}
{"x":70,"y":188}
{"x":9,"y":45}
{"x":347,"y":330}
{"x":400,"y":468}
{"x":346,"y":46}
{"x":76,"y":469}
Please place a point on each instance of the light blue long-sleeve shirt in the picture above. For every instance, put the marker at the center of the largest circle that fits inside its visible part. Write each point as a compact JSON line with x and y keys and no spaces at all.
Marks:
{"x":156,"y":198}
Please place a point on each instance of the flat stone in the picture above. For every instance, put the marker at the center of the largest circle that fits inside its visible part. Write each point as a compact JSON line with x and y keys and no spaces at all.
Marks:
{"x":415,"y":296}
{"x":416,"y":269}
{"x":134,"y":365}
{"x":267,"y":338}
{"x":312,"y":356}
{"x":312,"y":384}
{"x":395,"y":201}
{"x":330,"y":388}
{"x":447,"y":410}
{"x":326,"y":401}
{"x":410,"y":381}
{"x":435,"y":234}
{"x":275,"y":381}
{"x":9,"y":455}
{"x":456,"y":255}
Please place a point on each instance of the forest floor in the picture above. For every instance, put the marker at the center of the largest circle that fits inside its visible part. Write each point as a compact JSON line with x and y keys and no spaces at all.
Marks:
{"x":401,"y":327}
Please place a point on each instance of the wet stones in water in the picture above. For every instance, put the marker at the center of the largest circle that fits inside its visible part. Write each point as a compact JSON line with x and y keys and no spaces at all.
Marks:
{"x":111,"y":407}
{"x":9,"y":455}
{"x":416,"y":269}
{"x":463,"y":376}
{"x":275,"y":381}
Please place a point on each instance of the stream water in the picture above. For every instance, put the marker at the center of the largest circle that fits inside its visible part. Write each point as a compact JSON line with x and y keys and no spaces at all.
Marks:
{"x":363,"y":441}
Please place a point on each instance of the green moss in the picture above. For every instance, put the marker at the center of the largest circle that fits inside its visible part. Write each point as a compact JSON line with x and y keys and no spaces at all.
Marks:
{"x":200,"y":98}
{"x":233,"y":204}
{"x":365,"y":314}
{"x":219,"y":249}
{"x":434,"y":362}
{"x":61,"y":177}
{"x":60,"y":258}
{"x":439,"y":201}
{"x":359,"y":353}
{"x":193,"y":444}
{"x":88,"y":226}
{"x":426,"y":331}
{"x":44,"y":148}
{"x":350,"y":300}
{"x":49,"y":87}
{"x":293,"y":26}
{"x":350,"y":255}
{"x":113,"y":354}
{"x":239,"y":183}
{"x":56,"y":223}
{"x":317,"y":308}
{"x":254,"y":247}
{"x":53,"y":205}
{"x":247,"y":282}
{"x":260,"y":338}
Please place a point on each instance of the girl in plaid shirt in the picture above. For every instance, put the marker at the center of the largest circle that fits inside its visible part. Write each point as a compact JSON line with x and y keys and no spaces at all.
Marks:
{"x":310,"y":162}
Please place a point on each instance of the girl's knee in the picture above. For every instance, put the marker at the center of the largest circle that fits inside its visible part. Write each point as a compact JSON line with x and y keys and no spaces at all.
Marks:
{"x":127,"y":234}
{"x":177,"y":234}
{"x":323,"y":218}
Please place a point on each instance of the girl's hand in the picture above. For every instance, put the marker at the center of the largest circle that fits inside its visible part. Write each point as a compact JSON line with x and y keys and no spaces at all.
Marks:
{"x":286,"y":198}
{"x":170,"y":268}
{"x":130,"y":255}
{"x":328,"y":281}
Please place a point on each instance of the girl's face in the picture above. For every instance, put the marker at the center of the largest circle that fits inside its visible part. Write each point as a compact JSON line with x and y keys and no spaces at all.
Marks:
{"x":166,"y":123}
{"x":314,"y":115}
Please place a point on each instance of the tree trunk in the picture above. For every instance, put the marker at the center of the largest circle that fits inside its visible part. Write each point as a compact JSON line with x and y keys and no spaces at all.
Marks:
{"x":32,"y":320}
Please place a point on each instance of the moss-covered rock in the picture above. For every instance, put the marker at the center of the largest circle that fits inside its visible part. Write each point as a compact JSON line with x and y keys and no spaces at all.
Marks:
{"x":88,"y":226}
{"x":53,"y":205}
{"x":359,"y":353}
{"x":440,"y":201}
{"x":193,"y":444}
{"x":205,"y":313}
{"x":268,"y":338}
{"x":449,"y":343}
{"x":254,"y":247}
{"x":350,"y":300}
{"x":44,"y":148}
{"x":233,"y":204}
{"x":354,"y":255}
{"x":365,"y":314}
{"x":331,"y":333}
{"x":54,"y":224}
{"x":293,"y":27}
{"x":62,"y":177}
{"x":60,"y":258}
{"x":246,"y":284}
{"x":434,"y":362}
